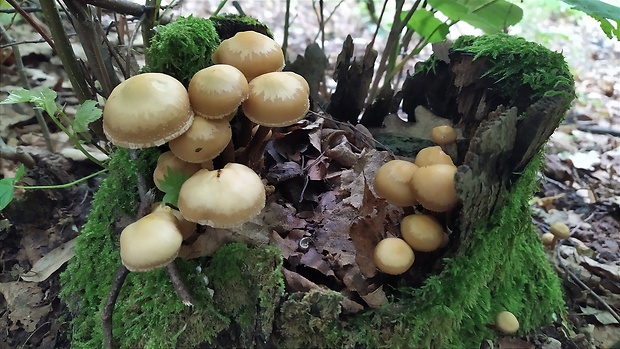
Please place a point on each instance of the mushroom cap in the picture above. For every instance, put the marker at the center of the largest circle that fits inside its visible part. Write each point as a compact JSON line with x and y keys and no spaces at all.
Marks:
{"x":443,"y":135}
{"x":433,"y":187}
{"x":276,"y":99}
{"x":393,"y":256}
{"x":217,"y":91}
{"x":560,"y":230}
{"x":146,"y":110}
{"x":506,"y":322}
{"x":150,"y":242}
{"x":204,"y":140}
{"x":431,"y":156}
{"x":548,"y":239}
{"x":168,"y":160}
{"x":392,"y":182}
{"x":251,"y":52}
{"x":422,"y":232}
{"x":223,"y":198}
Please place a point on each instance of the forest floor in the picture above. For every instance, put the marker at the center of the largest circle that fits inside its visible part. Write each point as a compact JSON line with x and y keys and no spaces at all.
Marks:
{"x":580,"y":185}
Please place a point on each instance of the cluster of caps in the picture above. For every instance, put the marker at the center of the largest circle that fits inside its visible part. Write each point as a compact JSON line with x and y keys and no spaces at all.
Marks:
{"x":153,"y":109}
{"x":428,"y":182}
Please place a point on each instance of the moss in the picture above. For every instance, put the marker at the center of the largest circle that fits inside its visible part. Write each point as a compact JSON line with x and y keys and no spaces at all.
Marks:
{"x":228,"y":25}
{"x":247,"y":286}
{"x":515,"y":62}
{"x":182,"y":48}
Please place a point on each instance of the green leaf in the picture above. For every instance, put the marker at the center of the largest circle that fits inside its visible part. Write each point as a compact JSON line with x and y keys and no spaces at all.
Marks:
{"x":44,"y":98}
{"x":596,"y":8}
{"x":88,"y":112}
{"x":7,"y":187}
{"x":426,"y":25}
{"x":492,"y":16}
{"x":171,"y":185}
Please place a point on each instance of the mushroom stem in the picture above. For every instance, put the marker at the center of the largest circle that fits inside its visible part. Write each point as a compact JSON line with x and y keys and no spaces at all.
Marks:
{"x":252,"y":154}
{"x":246,"y":130}
{"x":179,"y":285}
{"x":108,"y":309}
{"x":228,"y":154}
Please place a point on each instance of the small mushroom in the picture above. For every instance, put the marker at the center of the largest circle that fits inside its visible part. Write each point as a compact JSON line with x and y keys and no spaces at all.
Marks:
{"x":422,"y":232}
{"x":146,"y":110}
{"x":186,"y":227}
{"x":506,"y":322}
{"x":276,"y":99}
{"x":150,"y":242}
{"x":251,"y":52}
{"x":548,"y":239}
{"x":167,"y":161}
{"x":431,"y":156}
{"x":559,"y":231}
{"x":433,"y":187}
{"x":204,"y":140}
{"x":392,"y":182}
{"x":393,"y":256}
{"x":217,"y":91}
{"x":443,"y":135}
{"x":223,"y":198}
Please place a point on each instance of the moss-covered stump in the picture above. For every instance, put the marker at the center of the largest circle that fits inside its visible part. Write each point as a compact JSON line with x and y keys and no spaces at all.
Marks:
{"x":244,"y":294}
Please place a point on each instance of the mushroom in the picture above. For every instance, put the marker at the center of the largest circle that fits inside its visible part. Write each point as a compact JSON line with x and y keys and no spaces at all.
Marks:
{"x":276,"y":99}
{"x":443,"y":135}
{"x":251,"y":52}
{"x":392,"y":182}
{"x":506,"y":322}
{"x":146,"y":110}
{"x":431,"y":156}
{"x":422,"y":232}
{"x":223,"y":198}
{"x":204,"y":140}
{"x":559,"y":231}
{"x":393,"y":256}
{"x":217,"y":91}
{"x":150,"y":242}
{"x":433,"y":187}
{"x":548,"y":239}
{"x":186,"y":227}
{"x":168,"y":162}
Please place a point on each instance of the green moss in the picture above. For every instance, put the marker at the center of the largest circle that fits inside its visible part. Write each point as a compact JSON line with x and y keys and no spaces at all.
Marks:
{"x":515,"y":62}
{"x":228,"y":25}
{"x":247,"y":286}
{"x":182,"y":48}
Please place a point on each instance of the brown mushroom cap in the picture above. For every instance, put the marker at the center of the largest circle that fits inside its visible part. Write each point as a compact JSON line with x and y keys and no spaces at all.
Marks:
{"x":252,"y":53}
{"x":431,"y":156}
{"x":443,"y":135}
{"x":204,"y":140}
{"x":560,"y":230}
{"x":392,"y":182}
{"x":146,"y":110}
{"x":223,"y":198}
{"x":393,"y":256}
{"x":422,"y":232}
{"x":168,"y":160}
{"x":217,"y":91}
{"x":506,"y":322}
{"x":433,"y":187}
{"x":150,"y":242}
{"x":276,"y":99}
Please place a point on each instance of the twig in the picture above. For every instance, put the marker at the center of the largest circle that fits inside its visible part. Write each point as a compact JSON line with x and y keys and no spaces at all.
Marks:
{"x":287,"y":24}
{"x":31,"y":21}
{"x":108,"y":309}
{"x":16,"y":154}
{"x":179,"y":285}
{"x":119,"y":6}
{"x":24,"y":81}
{"x":600,"y":130}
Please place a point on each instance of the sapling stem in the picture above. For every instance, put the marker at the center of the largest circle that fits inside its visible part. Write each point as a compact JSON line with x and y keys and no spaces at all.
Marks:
{"x":74,"y":139}
{"x":61,"y":186}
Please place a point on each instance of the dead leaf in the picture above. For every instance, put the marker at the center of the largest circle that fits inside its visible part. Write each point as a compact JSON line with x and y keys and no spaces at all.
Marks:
{"x":49,"y":263}
{"x":603,"y":270}
{"x":376,"y":298}
{"x":513,"y":343}
{"x":24,"y":302}
{"x":604,"y":317}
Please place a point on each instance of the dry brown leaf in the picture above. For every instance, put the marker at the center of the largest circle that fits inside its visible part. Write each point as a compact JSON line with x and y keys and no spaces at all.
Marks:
{"x":49,"y":263}
{"x":376,"y":298}
{"x":603,"y":270}
{"x":24,"y":302}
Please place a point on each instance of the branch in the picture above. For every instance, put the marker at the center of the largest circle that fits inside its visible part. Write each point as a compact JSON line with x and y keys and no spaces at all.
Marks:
{"x":16,"y":154}
{"x":119,"y":6}
{"x":34,"y":24}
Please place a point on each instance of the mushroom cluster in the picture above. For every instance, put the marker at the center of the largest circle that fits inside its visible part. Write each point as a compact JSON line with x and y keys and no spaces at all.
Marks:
{"x":426,"y":183}
{"x":153,"y":109}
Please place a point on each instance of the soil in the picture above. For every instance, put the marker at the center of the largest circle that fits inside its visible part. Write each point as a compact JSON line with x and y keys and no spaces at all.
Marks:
{"x":579,"y":187}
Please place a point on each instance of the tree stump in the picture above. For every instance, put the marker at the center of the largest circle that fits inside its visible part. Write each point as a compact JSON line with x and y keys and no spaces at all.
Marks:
{"x":505,"y":94}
